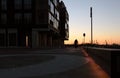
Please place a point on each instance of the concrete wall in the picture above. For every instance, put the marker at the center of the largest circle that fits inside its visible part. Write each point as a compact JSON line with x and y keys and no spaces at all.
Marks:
{"x":101,"y":57}
{"x":105,"y":54}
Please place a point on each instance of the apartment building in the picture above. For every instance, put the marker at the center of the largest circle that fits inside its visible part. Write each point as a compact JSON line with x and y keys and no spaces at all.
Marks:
{"x":32,"y":23}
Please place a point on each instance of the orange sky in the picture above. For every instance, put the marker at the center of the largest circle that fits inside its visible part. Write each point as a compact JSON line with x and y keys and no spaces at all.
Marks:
{"x":106,"y":20}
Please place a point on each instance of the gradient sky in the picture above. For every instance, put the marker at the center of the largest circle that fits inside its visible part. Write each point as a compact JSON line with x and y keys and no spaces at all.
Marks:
{"x":106,"y":20}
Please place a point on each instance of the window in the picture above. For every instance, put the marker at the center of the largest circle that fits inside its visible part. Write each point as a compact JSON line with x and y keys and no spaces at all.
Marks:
{"x":42,"y":17}
{"x":67,"y":34}
{"x":66,"y":30}
{"x":56,"y":24}
{"x":18,"y":4}
{"x":2,"y":37}
{"x":51,"y":19}
{"x":49,"y":16}
{"x":27,"y":4}
{"x":49,"y":4}
{"x":56,"y":14}
{"x":18,"y":18}
{"x":55,"y":1}
{"x":27,"y":41}
{"x":52,"y":8}
{"x":66,"y":26}
{"x":12,"y":39}
{"x":27,"y":18}
{"x":3,"y":18}
{"x":4,"y":4}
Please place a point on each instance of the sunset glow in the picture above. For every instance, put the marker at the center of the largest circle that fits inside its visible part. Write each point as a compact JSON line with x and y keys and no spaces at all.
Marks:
{"x":106,"y":17}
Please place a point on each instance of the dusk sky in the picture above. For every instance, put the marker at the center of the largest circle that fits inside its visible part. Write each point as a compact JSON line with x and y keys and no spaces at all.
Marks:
{"x":106,"y":20}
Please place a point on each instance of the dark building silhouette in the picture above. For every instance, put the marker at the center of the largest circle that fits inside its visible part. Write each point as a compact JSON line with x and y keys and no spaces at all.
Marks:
{"x":33,"y":23}
{"x":64,"y":19}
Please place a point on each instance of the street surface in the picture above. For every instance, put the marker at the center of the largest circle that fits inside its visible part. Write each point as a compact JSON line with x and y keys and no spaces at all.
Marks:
{"x":68,"y":63}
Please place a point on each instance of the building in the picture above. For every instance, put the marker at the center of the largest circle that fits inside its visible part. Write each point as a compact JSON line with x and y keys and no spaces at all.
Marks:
{"x":32,"y":23}
{"x":64,"y":20}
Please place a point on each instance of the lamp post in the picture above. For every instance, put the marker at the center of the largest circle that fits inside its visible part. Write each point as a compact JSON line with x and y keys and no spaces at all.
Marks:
{"x":84,"y":37}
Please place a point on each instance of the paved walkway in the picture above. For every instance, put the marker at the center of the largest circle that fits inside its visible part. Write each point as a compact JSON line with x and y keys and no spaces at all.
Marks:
{"x":63,"y":63}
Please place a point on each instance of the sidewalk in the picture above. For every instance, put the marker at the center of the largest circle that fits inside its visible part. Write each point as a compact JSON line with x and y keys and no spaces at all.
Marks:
{"x":69,"y":63}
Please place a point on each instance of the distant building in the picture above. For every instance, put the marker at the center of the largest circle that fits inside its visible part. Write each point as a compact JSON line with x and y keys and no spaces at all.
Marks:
{"x":33,"y":23}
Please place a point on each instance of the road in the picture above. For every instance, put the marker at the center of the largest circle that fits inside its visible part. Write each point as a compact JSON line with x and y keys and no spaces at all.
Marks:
{"x":68,"y":63}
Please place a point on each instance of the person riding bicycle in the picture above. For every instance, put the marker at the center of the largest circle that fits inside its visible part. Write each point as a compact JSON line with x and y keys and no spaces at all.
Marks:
{"x":76,"y":43}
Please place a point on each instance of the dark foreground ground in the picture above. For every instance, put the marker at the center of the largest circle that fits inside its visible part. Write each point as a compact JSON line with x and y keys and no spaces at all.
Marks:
{"x":50,"y":63}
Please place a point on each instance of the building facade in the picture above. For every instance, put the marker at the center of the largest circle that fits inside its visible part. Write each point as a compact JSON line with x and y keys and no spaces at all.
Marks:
{"x":64,"y":21}
{"x":33,"y":23}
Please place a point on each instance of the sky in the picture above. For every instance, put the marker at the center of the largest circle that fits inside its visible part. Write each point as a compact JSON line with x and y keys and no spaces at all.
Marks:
{"x":106,"y":21}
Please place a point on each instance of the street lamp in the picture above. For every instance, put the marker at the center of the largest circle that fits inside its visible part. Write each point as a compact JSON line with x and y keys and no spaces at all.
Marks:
{"x":84,"y":37}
